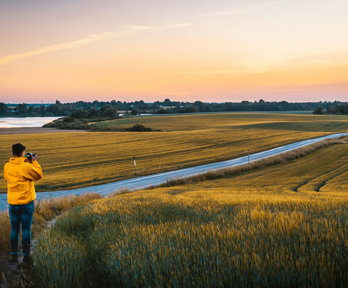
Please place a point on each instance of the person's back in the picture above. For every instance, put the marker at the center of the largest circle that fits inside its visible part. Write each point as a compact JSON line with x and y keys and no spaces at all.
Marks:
{"x":20,"y":174}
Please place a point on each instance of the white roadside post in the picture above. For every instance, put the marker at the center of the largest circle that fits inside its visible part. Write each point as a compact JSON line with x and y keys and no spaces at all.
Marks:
{"x":135,"y":165}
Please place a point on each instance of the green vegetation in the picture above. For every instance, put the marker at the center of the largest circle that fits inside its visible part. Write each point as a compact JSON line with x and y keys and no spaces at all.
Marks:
{"x":45,"y":211}
{"x":80,"y":159}
{"x":134,"y":128}
{"x":68,"y":122}
{"x":139,"y":128}
{"x":259,"y":228}
{"x":334,"y":109}
{"x":101,"y":109}
{"x":80,"y":109}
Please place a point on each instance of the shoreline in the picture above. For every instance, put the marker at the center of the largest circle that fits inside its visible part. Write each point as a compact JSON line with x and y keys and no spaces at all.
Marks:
{"x":34,"y":130}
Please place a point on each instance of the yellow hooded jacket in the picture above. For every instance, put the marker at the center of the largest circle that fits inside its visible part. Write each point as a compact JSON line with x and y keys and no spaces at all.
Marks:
{"x":20,"y":176}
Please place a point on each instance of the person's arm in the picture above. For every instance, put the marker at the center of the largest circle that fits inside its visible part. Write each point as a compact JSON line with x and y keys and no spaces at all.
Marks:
{"x":33,"y":171}
{"x":5,"y":172}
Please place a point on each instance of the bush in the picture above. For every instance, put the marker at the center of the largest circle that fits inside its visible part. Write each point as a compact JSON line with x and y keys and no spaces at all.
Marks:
{"x":135,"y":112}
{"x":318,"y":110}
{"x":139,"y":128}
{"x":68,"y":122}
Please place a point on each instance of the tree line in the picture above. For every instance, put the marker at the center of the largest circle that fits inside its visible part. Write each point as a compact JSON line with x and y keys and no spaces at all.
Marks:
{"x":102,"y":109}
{"x":334,"y":109}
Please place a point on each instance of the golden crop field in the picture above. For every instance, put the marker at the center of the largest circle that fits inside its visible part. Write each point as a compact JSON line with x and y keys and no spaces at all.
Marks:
{"x":263,"y":228}
{"x":80,"y":159}
{"x":296,"y":122}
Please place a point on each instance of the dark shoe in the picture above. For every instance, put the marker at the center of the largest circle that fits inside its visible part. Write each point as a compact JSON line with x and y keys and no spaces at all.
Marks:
{"x":28,"y":260}
{"x":13,"y":259}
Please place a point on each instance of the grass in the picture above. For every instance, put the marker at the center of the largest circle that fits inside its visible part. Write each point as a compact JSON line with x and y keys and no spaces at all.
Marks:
{"x":269,"y":161}
{"x":45,"y":210}
{"x":258,"y":228}
{"x":76,"y":159}
{"x":311,"y":123}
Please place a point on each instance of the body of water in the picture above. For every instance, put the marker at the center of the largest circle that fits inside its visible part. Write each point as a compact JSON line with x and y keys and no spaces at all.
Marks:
{"x":14,"y":122}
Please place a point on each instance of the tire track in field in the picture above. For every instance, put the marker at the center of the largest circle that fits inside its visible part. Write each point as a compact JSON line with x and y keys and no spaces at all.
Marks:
{"x":319,"y":181}
{"x":321,"y":185}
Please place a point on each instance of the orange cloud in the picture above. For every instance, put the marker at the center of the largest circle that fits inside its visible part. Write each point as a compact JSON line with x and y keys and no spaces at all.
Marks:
{"x":88,"y":40}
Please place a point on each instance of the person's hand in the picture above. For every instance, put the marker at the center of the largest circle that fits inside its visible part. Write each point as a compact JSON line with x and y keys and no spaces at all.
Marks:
{"x":34,"y":157}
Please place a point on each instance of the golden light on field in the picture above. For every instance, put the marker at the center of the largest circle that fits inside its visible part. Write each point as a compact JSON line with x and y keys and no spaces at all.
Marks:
{"x":187,"y":50}
{"x":279,"y":220}
{"x":251,"y":229}
{"x":185,"y":140}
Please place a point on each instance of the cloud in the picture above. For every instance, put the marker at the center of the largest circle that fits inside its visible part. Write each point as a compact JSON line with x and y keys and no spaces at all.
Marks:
{"x":226,"y":13}
{"x":137,"y":27}
{"x":89,"y":39}
{"x":62,"y":46}
{"x":172,"y":26}
{"x":260,"y":65}
{"x":244,"y":10}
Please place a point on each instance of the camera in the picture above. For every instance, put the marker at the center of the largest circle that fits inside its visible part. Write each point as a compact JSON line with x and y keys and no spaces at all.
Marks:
{"x":30,"y":156}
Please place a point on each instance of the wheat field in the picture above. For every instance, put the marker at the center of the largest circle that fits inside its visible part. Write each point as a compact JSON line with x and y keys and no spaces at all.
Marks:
{"x":296,"y":122}
{"x":78,"y":159}
{"x":279,"y":226}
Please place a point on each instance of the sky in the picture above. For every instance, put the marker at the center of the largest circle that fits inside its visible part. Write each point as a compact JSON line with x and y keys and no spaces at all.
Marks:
{"x":185,"y":50}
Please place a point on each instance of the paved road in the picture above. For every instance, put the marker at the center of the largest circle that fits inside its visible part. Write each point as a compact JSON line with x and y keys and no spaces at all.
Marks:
{"x":156,"y":179}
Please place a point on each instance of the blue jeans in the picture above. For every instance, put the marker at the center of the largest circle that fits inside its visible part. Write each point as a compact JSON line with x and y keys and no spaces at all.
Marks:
{"x":21,"y":214}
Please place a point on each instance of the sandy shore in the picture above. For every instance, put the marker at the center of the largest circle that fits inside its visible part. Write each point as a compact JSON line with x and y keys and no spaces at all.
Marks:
{"x":33,"y":130}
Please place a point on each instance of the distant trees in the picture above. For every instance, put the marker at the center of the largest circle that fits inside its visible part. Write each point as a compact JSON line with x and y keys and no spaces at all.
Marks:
{"x":135,"y":111}
{"x":167,"y":102}
{"x":338,"y":109}
{"x":54,"y":109}
{"x":22,"y":108}
{"x":92,"y":112}
{"x":102,"y":109}
{"x":80,"y":113}
{"x":190,"y":109}
{"x":334,"y":109}
{"x":318,"y":110}
{"x":3,"y":109}
{"x":106,"y":111}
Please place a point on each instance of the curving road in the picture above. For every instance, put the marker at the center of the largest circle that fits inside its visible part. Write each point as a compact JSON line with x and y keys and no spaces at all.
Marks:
{"x":156,"y":179}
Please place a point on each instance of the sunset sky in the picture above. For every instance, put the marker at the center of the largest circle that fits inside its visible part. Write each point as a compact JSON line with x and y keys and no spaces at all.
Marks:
{"x":214,"y":51}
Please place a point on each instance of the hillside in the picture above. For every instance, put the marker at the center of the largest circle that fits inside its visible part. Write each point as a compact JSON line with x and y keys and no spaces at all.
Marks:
{"x":284,"y":225}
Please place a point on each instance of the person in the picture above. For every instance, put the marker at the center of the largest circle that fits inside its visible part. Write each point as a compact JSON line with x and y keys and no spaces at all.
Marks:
{"x":20,"y":173}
